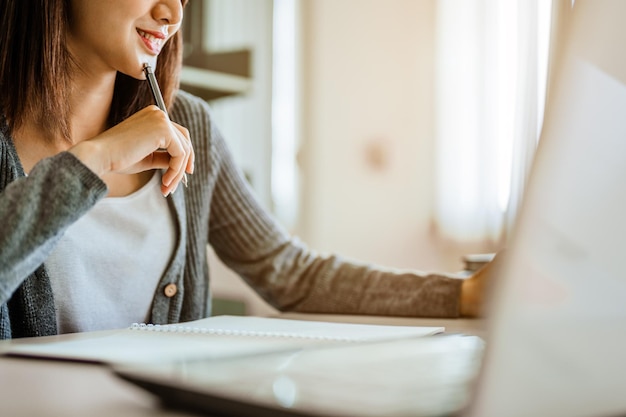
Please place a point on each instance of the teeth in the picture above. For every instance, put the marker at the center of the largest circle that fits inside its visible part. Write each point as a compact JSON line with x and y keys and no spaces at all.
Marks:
{"x":150,"y":37}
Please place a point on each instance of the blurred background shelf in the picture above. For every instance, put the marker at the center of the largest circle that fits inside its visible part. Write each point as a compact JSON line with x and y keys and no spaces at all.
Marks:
{"x":211,"y":75}
{"x":210,"y":84}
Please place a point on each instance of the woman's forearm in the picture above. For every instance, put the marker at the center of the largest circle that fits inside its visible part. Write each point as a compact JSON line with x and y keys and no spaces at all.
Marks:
{"x":35,"y":210}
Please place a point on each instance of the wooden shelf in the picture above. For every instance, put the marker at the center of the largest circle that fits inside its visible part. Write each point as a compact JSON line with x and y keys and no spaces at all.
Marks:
{"x":211,"y":75}
{"x":211,"y":85}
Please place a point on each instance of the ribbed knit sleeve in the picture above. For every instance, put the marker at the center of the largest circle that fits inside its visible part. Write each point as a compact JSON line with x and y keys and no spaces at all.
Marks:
{"x":35,"y":210}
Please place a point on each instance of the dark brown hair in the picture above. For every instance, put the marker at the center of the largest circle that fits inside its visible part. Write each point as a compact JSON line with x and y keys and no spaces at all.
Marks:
{"x":36,"y":68}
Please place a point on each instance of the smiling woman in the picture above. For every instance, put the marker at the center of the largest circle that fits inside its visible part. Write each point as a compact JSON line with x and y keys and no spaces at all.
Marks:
{"x":88,"y":241}
{"x":41,"y":78}
{"x":124,"y":48}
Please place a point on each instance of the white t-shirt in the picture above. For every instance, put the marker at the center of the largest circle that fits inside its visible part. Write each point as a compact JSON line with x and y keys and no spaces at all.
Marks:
{"x":105,"y":270}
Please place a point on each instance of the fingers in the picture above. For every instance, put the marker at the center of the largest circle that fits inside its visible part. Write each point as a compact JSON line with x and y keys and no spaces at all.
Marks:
{"x":146,"y":140}
{"x":190,"y":162}
{"x":189,"y":168}
{"x":476,"y":290}
{"x":181,"y":159}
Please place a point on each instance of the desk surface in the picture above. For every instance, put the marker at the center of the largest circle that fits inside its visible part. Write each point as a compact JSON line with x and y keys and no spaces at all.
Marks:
{"x":33,"y":387}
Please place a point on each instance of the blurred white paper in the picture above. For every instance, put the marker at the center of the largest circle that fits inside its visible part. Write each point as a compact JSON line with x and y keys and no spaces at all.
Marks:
{"x":557,"y":338}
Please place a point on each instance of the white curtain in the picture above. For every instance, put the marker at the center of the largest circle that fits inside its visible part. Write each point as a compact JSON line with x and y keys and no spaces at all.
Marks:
{"x":491,"y":67}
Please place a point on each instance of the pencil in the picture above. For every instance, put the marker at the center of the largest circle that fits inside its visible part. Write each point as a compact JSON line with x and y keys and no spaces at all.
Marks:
{"x":158,"y":97}
{"x":154,"y":87}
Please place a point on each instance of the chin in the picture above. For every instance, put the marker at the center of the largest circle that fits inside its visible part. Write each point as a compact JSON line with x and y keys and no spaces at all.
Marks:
{"x":136,"y":73}
{"x":135,"y":69}
{"x":150,"y":60}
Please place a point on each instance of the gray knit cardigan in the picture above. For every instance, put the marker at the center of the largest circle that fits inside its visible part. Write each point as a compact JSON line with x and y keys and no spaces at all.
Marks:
{"x":217,"y":209}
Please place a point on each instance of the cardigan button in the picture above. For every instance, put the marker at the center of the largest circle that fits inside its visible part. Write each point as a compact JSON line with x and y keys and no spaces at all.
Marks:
{"x":170,"y":290}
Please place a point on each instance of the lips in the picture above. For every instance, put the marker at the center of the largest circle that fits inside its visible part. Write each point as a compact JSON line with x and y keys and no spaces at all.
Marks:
{"x":153,"y":40}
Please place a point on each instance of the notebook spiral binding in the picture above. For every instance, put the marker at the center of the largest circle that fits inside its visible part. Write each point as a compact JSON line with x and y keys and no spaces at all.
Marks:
{"x":173,"y":328}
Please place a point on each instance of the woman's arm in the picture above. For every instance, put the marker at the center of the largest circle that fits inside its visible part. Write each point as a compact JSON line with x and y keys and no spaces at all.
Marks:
{"x":291,"y":277}
{"x":35,"y":210}
{"x":477,"y":288}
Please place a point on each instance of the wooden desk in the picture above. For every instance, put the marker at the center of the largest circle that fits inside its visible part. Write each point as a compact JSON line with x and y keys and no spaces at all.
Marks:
{"x":33,"y":387}
{"x":62,"y":389}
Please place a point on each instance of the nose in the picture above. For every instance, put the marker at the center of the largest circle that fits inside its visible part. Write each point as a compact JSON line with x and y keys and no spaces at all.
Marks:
{"x":168,"y":12}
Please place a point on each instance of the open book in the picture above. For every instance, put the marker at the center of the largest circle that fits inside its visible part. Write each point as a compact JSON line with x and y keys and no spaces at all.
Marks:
{"x":210,"y":338}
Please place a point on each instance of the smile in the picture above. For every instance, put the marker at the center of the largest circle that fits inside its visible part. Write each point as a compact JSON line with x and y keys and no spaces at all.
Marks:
{"x":153,"y":40}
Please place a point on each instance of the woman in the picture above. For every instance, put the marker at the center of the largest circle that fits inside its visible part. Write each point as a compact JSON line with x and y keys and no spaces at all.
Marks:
{"x":88,"y":239}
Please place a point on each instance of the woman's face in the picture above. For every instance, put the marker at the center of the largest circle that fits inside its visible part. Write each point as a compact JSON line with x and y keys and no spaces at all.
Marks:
{"x":121,"y":35}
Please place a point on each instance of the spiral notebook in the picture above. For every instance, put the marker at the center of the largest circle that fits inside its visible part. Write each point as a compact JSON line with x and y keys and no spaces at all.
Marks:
{"x":210,"y":338}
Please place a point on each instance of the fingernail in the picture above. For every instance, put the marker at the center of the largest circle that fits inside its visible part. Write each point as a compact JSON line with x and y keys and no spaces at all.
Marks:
{"x":185,"y":180}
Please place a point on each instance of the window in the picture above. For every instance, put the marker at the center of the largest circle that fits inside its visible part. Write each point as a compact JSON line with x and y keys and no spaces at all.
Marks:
{"x":491,"y":77}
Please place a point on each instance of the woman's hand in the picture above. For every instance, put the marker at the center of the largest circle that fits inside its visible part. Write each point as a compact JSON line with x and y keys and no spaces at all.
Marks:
{"x":475,"y":289}
{"x":146,"y":140}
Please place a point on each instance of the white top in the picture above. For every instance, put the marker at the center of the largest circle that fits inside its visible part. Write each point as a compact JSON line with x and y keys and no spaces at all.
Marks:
{"x":106,"y":268}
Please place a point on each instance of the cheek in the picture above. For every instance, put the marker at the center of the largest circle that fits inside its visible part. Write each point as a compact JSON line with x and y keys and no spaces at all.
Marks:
{"x":86,"y":27}
{"x":83,"y":13}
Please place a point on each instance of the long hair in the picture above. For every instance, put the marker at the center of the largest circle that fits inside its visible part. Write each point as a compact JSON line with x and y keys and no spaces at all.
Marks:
{"x":36,"y":68}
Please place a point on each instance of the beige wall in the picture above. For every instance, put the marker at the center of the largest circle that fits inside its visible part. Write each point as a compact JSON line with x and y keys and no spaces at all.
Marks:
{"x":368,"y":130}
